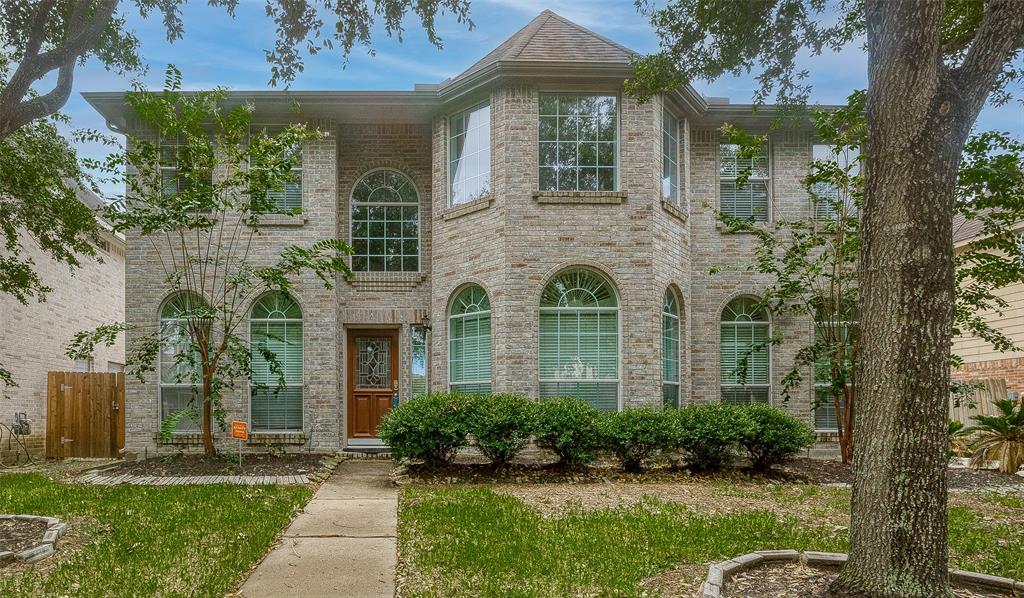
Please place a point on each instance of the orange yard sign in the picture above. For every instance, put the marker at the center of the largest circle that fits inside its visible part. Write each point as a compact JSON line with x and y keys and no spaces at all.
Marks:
{"x":240,"y":430}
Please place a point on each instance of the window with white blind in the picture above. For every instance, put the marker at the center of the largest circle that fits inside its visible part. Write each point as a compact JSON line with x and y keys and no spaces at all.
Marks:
{"x":385,"y":223}
{"x":670,"y":158}
{"x":172,"y":153}
{"x":670,"y":349}
{"x":469,"y":155}
{"x":180,"y":374}
{"x":828,"y":198}
{"x":579,"y":339}
{"x":289,"y":197}
{"x":750,"y":200}
{"x":275,"y":328}
{"x":745,"y":327}
{"x":418,"y":383}
{"x":578,"y":136}
{"x":83,"y":365}
{"x":840,"y":335}
{"x":469,"y":341}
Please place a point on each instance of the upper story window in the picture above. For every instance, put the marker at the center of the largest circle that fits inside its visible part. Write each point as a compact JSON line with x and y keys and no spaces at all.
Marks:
{"x":745,"y":354}
{"x":385,"y":223}
{"x":469,"y":154}
{"x":578,"y":142}
{"x":289,"y":197}
{"x":670,"y":158}
{"x":750,"y":200}
{"x":173,"y":153}
{"x":830,"y":198}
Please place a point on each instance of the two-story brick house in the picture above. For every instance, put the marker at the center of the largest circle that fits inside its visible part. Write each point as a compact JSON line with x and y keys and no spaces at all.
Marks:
{"x":525,"y":226}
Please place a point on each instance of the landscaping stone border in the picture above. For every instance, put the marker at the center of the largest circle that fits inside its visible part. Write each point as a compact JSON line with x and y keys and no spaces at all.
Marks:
{"x":55,"y":528}
{"x":719,"y":573}
{"x":98,"y":479}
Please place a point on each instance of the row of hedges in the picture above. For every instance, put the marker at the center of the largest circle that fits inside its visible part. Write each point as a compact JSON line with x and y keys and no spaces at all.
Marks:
{"x":431,"y":428}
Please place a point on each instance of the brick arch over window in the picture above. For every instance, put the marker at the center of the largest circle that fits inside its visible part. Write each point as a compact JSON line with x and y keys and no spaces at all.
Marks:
{"x":385,"y":222}
{"x":744,"y":351}
{"x":579,"y":338}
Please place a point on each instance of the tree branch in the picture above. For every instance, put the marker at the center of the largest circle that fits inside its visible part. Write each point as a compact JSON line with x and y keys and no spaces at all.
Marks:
{"x":1000,"y":34}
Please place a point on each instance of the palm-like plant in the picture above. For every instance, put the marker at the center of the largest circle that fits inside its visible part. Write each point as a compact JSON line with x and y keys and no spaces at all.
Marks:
{"x":1000,"y":437}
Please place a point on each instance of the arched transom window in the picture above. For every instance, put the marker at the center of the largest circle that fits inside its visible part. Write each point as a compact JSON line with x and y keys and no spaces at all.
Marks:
{"x":670,"y":349}
{"x":469,"y":341}
{"x":385,"y":223}
{"x":579,"y":339}
{"x":745,"y":352}
{"x":180,"y":373}
{"x":275,"y":335}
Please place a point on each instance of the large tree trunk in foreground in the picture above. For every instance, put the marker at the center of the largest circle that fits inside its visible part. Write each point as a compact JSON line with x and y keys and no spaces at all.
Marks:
{"x":919,"y":115}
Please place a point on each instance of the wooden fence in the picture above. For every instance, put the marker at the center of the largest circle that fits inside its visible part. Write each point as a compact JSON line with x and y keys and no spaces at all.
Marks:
{"x":983,"y":403}
{"x":85,"y":414}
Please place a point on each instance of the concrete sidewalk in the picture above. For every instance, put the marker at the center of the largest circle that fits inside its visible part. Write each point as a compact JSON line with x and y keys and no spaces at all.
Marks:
{"x":342,"y":544}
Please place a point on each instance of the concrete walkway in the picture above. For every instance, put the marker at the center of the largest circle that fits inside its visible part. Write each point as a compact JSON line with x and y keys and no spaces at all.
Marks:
{"x":342,"y":544}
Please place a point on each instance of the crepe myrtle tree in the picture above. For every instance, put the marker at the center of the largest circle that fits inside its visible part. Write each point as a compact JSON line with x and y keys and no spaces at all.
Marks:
{"x":202,"y":220}
{"x":932,"y":66}
{"x":812,"y":261}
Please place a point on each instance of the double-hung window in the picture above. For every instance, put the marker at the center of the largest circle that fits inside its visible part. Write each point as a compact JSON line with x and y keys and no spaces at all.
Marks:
{"x":751,"y":199}
{"x":670,"y":350}
{"x":469,"y":155}
{"x":174,"y":176}
{"x":579,"y":339}
{"x":289,"y":197}
{"x":829,"y":198}
{"x":578,"y":136}
{"x":670,"y":158}
{"x":838,"y":337}
{"x":418,"y":365}
{"x":469,"y":341}
{"x":745,"y":355}
{"x":179,"y":369}
{"x":275,"y":329}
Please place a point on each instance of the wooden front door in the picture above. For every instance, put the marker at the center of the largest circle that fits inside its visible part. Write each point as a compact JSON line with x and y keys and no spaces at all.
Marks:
{"x":372,"y":379}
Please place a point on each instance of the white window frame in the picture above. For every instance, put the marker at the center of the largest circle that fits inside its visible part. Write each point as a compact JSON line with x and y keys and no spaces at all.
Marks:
{"x":176,"y":385}
{"x":452,"y":385}
{"x":426,"y":357}
{"x":722,"y":384}
{"x":300,"y":385}
{"x":679,"y":344}
{"x":767,"y":180}
{"x":451,"y":159}
{"x":677,"y":200}
{"x":352,"y":203}
{"x":816,"y":212}
{"x":617,"y":177}
{"x":819,"y":385}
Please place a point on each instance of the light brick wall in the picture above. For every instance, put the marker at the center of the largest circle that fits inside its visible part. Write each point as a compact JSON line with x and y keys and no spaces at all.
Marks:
{"x":36,"y":335}
{"x":1009,"y":369}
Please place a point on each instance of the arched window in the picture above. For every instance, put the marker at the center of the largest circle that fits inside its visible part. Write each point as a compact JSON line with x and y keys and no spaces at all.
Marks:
{"x":385,"y":223}
{"x":180,"y":372}
{"x":275,"y":328}
{"x":670,"y":350}
{"x":579,"y":339}
{"x":469,"y":341}
{"x":745,"y":353}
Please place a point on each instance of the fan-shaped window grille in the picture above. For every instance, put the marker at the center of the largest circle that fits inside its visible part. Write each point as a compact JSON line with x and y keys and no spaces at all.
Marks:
{"x":745,"y":354}
{"x":275,"y":329}
{"x":180,"y":372}
{"x":385,"y":223}
{"x":469,"y":341}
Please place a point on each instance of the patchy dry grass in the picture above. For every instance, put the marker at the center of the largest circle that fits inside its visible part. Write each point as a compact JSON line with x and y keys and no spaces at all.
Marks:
{"x":145,"y":540}
{"x":643,"y":539}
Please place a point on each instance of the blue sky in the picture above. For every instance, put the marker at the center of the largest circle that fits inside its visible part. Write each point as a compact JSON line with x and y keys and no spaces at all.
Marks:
{"x":217,"y":50}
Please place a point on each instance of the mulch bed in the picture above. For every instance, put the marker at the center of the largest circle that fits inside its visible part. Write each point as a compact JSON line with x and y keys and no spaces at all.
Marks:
{"x":801,"y":581}
{"x":198,"y":465}
{"x":17,"y":535}
{"x":817,"y":471}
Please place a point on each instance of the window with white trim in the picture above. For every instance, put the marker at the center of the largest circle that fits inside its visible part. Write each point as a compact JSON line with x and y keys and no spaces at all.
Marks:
{"x":172,"y":153}
{"x":418,"y":366}
{"x":745,"y":355}
{"x":840,"y":336}
{"x":469,"y":155}
{"x":748,"y":201}
{"x":275,"y":328}
{"x":670,"y":349}
{"x":469,"y":341}
{"x":670,"y":158}
{"x":578,"y":136}
{"x":289,"y":197}
{"x":83,"y":365}
{"x":180,"y":374}
{"x":579,"y":339}
{"x":826,"y":196}
{"x":385,"y":223}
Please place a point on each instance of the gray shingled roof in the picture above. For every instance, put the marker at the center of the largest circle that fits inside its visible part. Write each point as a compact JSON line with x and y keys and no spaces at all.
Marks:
{"x":550,"y":37}
{"x":964,"y":229}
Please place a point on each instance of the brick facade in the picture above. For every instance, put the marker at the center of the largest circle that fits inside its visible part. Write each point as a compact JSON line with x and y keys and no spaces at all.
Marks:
{"x":1011,"y":370}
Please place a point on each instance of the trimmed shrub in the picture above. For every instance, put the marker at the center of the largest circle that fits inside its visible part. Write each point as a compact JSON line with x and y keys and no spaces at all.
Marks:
{"x":710,"y":433}
{"x":776,"y":437}
{"x":500,"y":424}
{"x":638,"y":434}
{"x":569,"y":427}
{"x":430,"y":427}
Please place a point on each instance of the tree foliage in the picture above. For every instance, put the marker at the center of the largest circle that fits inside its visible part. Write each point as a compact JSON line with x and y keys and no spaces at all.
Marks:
{"x":203,"y":220}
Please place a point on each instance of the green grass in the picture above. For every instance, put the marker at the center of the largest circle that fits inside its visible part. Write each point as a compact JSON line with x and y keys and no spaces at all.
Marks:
{"x":148,"y":541}
{"x":472,"y":541}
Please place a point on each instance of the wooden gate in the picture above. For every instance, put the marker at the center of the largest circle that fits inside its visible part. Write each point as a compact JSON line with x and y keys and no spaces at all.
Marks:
{"x":85,"y":414}
{"x":985,"y":396}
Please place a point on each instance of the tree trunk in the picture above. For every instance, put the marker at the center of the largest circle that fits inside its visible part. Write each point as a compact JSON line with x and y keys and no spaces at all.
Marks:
{"x":898,"y":544}
{"x":208,"y":448}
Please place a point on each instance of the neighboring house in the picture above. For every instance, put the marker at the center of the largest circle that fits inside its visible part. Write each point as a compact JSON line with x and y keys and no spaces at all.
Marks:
{"x":36,"y":335}
{"x":980,"y":360}
{"x":525,"y":226}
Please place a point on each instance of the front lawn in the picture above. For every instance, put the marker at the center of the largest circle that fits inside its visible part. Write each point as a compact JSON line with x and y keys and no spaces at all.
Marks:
{"x":633,"y":539}
{"x":146,"y":540}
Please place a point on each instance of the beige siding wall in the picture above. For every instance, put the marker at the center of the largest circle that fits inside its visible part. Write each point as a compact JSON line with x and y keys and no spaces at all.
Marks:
{"x":1011,"y":323}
